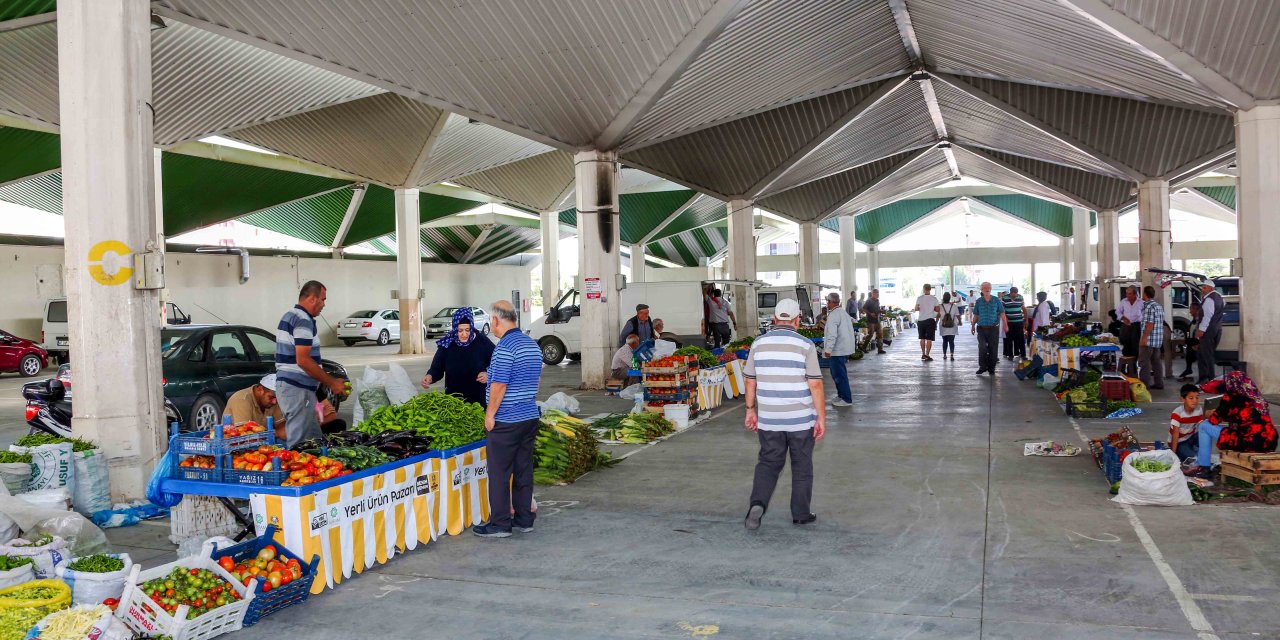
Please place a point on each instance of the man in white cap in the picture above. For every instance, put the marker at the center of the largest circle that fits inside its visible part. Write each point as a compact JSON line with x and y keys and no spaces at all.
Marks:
{"x":786,"y":408}
{"x":257,"y":403}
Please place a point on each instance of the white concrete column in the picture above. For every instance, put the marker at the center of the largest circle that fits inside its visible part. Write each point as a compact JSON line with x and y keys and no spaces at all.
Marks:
{"x":848,"y":257}
{"x":1153,"y":230}
{"x":637,"y":262}
{"x":1108,"y":259}
{"x":109,"y":199}
{"x":742,"y":265}
{"x":409,"y":269}
{"x":1064,"y":270}
{"x":873,"y":268}
{"x":599,"y":261}
{"x":1034,"y":290}
{"x":1258,"y":158}
{"x":809,"y":268}
{"x":1080,"y":244}
{"x":550,"y":227}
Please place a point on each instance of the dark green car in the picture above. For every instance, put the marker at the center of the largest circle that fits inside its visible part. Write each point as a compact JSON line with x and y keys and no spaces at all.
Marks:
{"x":204,"y":364}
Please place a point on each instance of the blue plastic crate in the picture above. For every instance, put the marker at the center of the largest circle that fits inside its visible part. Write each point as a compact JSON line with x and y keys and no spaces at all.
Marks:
{"x":200,"y":475}
{"x":295,"y":592}
{"x":197,"y":444}
{"x":742,"y":353}
{"x":268,"y":478}
{"x":1112,"y":466}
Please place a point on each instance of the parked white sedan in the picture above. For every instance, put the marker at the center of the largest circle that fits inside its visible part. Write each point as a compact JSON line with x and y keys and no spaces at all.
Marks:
{"x":442,"y":322}
{"x":379,"y":326}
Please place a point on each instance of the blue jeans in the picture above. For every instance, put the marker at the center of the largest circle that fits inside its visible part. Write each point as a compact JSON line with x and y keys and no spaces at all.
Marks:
{"x":1209,"y":433}
{"x":840,"y":376}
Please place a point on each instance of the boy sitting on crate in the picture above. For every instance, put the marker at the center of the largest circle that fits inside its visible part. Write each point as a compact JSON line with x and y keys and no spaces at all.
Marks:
{"x":1183,"y":424}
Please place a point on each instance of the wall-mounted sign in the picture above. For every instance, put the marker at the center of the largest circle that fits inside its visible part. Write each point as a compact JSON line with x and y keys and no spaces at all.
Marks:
{"x":592,"y":288}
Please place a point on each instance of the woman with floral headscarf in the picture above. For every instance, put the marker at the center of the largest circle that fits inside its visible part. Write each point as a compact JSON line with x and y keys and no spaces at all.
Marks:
{"x":461,"y":359}
{"x":1242,"y":422}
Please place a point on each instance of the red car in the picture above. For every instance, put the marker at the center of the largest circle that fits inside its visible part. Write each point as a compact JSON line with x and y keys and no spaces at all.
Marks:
{"x":23,"y":356}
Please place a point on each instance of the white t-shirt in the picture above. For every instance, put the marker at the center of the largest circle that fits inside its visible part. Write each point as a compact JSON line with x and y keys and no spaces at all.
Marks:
{"x":927,"y":303}
{"x":952,"y":309}
{"x":1042,"y":314}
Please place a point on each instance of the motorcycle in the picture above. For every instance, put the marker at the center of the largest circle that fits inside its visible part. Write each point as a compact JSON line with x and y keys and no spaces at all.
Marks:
{"x":49,"y":408}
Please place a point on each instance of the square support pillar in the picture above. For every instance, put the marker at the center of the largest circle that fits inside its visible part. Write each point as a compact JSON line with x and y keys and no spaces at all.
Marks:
{"x":637,"y":262}
{"x":873,"y":268}
{"x":409,"y":270}
{"x":1154,"y":236}
{"x":742,"y":265}
{"x":848,"y":257}
{"x":1064,"y":270}
{"x":809,"y":268}
{"x":599,"y":262}
{"x":1080,"y":244}
{"x":550,"y":227}
{"x":1108,"y":259}
{"x":109,"y":204}
{"x":1258,"y":158}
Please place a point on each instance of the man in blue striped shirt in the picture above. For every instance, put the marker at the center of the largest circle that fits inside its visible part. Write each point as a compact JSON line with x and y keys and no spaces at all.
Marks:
{"x":786,"y":407}
{"x":298,"y":371}
{"x":512,"y":422}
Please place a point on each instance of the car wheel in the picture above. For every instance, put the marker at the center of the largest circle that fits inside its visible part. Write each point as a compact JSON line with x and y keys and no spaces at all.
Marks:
{"x":485,"y":329}
{"x":350,"y":343}
{"x":29,"y":366}
{"x":206,"y":413}
{"x":552,"y":351}
{"x":384,"y":338}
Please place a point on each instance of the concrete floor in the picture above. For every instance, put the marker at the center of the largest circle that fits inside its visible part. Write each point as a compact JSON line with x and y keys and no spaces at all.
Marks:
{"x":931,"y":524}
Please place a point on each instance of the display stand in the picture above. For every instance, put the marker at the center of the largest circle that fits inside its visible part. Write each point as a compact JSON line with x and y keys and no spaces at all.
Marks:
{"x":1073,"y":357}
{"x":671,"y":385}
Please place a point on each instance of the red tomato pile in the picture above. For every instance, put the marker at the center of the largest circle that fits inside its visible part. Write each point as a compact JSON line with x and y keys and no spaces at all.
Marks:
{"x":242,"y":429}
{"x":267,"y":565}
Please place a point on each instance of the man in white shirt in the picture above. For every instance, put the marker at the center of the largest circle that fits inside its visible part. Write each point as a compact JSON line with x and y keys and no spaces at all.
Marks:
{"x":1130,"y":315}
{"x":1208,"y":331}
{"x":927,"y":321}
{"x":621,"y":362}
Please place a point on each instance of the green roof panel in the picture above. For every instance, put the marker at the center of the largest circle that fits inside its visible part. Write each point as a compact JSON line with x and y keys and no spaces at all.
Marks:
{"x":41,"y":192}
{"x":27,"y":153}
{"x":1050,"y":216}
{"x":377,"y":214}
{"x":312,"y":219}
{"x":1224,"y":195}
{"x":877,"y":224}
{"x":14,"y":9}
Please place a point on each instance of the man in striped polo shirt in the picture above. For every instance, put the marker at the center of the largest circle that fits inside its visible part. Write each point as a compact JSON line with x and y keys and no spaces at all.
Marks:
{"x":786,"y":408}
{"x":512,"y":422}
{"x":298,"y":371}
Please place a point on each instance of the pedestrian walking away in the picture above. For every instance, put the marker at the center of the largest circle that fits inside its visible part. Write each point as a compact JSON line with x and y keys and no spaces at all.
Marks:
{"x":785,"y":408}
{"x":927,"y":308}
{"x":1151,"y":342}
{"x":1209,"y":331}
{"x":511,"y":420}
{"x":719,"y":315}
{"x":871,"y":311}
{"x":298,"y":371}
{"x":838,"y":343}
{"x":952,"y":316}
{"x":1015,"y":313}
{"x":1040,"y":316}
{"x":988,"y":321}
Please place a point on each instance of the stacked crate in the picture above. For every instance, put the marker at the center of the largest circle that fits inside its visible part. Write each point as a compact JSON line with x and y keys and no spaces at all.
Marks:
{"x":665,"y":385}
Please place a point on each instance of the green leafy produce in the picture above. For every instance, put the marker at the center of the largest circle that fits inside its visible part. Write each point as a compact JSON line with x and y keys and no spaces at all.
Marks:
{"x":447,"y":419}
{"x":15,"y":622}
{"x":740,"y":343}
{"x":11,"y":457}
{"x":811,"y":333}
{"x":1122,"y":404}
{"x":8,"y":563}
{"x":705,"y":358}
{"x":1198,"y":493}
{"x":1093,"y":390}
{"x":1078,"y":341}
{"x":566,"y":448}
{"x":97,"y":563}
{"x":1149,"y":465}
{"x":41,"y":439}
{"x":38,"y":542}
{"x":638,"y":428}
{"x":1092,"y":375}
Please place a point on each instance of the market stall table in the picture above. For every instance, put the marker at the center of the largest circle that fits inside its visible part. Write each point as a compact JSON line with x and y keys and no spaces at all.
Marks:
{"x":1073,"y":357}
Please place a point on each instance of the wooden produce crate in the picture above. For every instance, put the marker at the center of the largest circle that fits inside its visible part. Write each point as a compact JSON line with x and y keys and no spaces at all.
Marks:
{"x":1257,"y":469}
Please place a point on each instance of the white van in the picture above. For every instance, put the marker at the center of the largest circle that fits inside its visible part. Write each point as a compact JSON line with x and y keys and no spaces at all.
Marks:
{"x":55,"y":338}
{"x":805,"y":293}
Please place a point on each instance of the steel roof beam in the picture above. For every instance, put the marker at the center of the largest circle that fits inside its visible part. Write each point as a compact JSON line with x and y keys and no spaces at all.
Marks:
{"x":669,"y":219}
{"x":475,"y":244}
{"x":1212,"y":209}
{"x":841,"y":123}
{"x":424,"y":155}
{"x":917,"y":223}
{"x":908,"y":32}
{"x":1067,"y":198}
{"x":1207,"y":162}
{"x":28,"y":21}
{"x":1161,"y":50}
{"x":353,"y":207}
{"x":1120,"y":167}
{"x":871,"y":185}
{"x":694,"y":43}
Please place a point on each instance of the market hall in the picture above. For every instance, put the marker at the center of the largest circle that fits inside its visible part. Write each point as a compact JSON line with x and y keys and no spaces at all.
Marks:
{"x":666,"y":149}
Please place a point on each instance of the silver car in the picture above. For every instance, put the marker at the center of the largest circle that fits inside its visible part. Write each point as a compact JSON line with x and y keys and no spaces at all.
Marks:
{"x":381,"y":326}
{"x":442,"y":322}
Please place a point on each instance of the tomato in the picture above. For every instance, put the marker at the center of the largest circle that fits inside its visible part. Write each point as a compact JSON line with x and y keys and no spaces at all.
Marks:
{"x":276,"y":579}
{"x":247,"y":580}
{"x":307,"y":480}
{"x":267,"y":554}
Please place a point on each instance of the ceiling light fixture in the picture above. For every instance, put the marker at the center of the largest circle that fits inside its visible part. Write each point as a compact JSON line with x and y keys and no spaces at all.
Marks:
{"x":157,"y":23}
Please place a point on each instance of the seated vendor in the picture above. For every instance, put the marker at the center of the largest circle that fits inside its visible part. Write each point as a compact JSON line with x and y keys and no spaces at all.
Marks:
{"x":660,"y":336}
{"x":1185,"y":421}
{"x":621,"y":363}
{"x":257,"y":403}
{"x":1242,"y":422}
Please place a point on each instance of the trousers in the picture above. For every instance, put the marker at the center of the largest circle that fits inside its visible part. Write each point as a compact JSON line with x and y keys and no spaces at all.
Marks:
{"x":988,"y":343}
{"x":300,"y":420}
{"x":1206,"y":353}
{"x":1151,"y":366}
{"x":774,"y":447}
{"x":510,"y":452}
{"x":840,"y":376}
{"x":1016,"y":344}
{"x":720,"y":334}
{"x":948,"y":342}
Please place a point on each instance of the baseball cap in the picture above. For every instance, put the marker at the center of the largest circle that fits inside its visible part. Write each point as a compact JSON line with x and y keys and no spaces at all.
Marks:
{"x":268,"y":382}
{"x":787,"y":309}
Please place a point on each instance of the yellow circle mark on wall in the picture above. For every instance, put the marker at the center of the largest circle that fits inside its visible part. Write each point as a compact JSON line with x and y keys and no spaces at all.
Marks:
{"x":99,"y":263}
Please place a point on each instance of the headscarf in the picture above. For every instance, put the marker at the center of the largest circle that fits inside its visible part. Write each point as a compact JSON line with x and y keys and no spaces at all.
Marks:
{"x":462,"y":316}
{"x":1240,"y":385}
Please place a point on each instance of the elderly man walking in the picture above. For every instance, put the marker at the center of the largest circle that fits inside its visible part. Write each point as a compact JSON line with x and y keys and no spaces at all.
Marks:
{"x":988,"y":321}
{"x":871,"y":310}
{"x":1151,"y":343}
{"x":838,"y":343}
{"x":511,"y":420}
{"x":1209,"y":331}
{"x":785,"y":408}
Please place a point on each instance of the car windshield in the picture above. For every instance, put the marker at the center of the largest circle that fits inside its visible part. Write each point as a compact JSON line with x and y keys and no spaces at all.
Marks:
{"x":363,"y":314}
{"x":171,"y":342}
{"x":446,"y":312}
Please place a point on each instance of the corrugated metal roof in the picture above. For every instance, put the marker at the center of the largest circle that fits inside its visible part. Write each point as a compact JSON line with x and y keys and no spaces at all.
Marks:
{"x":377,"y":214}
{"x":641,"y":212}
{"x":1224,"y":195}
{"x":507,"y":241}
{"x":704,"y":211}
{"x":1237,"y":39}
{"x":732,"y":157}
{"x":312,"y":219}
{"x":1153,"y":138}
{"x":1045,"y":41}
{"x":810,"y":200}
{"x":378,"y":138}
{"x":975,"y":165}
{"x":1050,"y":216}
{"x":13,"y":9}
{"x":1093,"y":190}
{"x":686,"y":248}
{"x":27,"y":153}
{"x":41,"y":192}
{"x":534,"y":182}
{"x":466,"y":147}
{"x":774,"y":52}
{"x":559,"y":69}
{"x":976,"y":122}
{"x":899,"y":123}
{"x":873,"y":226}
{"x":928,"y":170}
{"x":29,"y":72}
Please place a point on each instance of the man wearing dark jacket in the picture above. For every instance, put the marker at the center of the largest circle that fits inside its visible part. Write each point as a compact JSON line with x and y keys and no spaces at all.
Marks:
{"x":639,"y":324}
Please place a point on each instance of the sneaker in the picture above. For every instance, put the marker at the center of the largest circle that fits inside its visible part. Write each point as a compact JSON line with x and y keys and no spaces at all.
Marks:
{"x":880,"y":351}
{"x":1195,"y":471}
{"x":809,"y":519}
{"x":753,"y":517}
{"x":489,"y":530}
{"x":528,"y":529}
{"x":838,"y":402}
